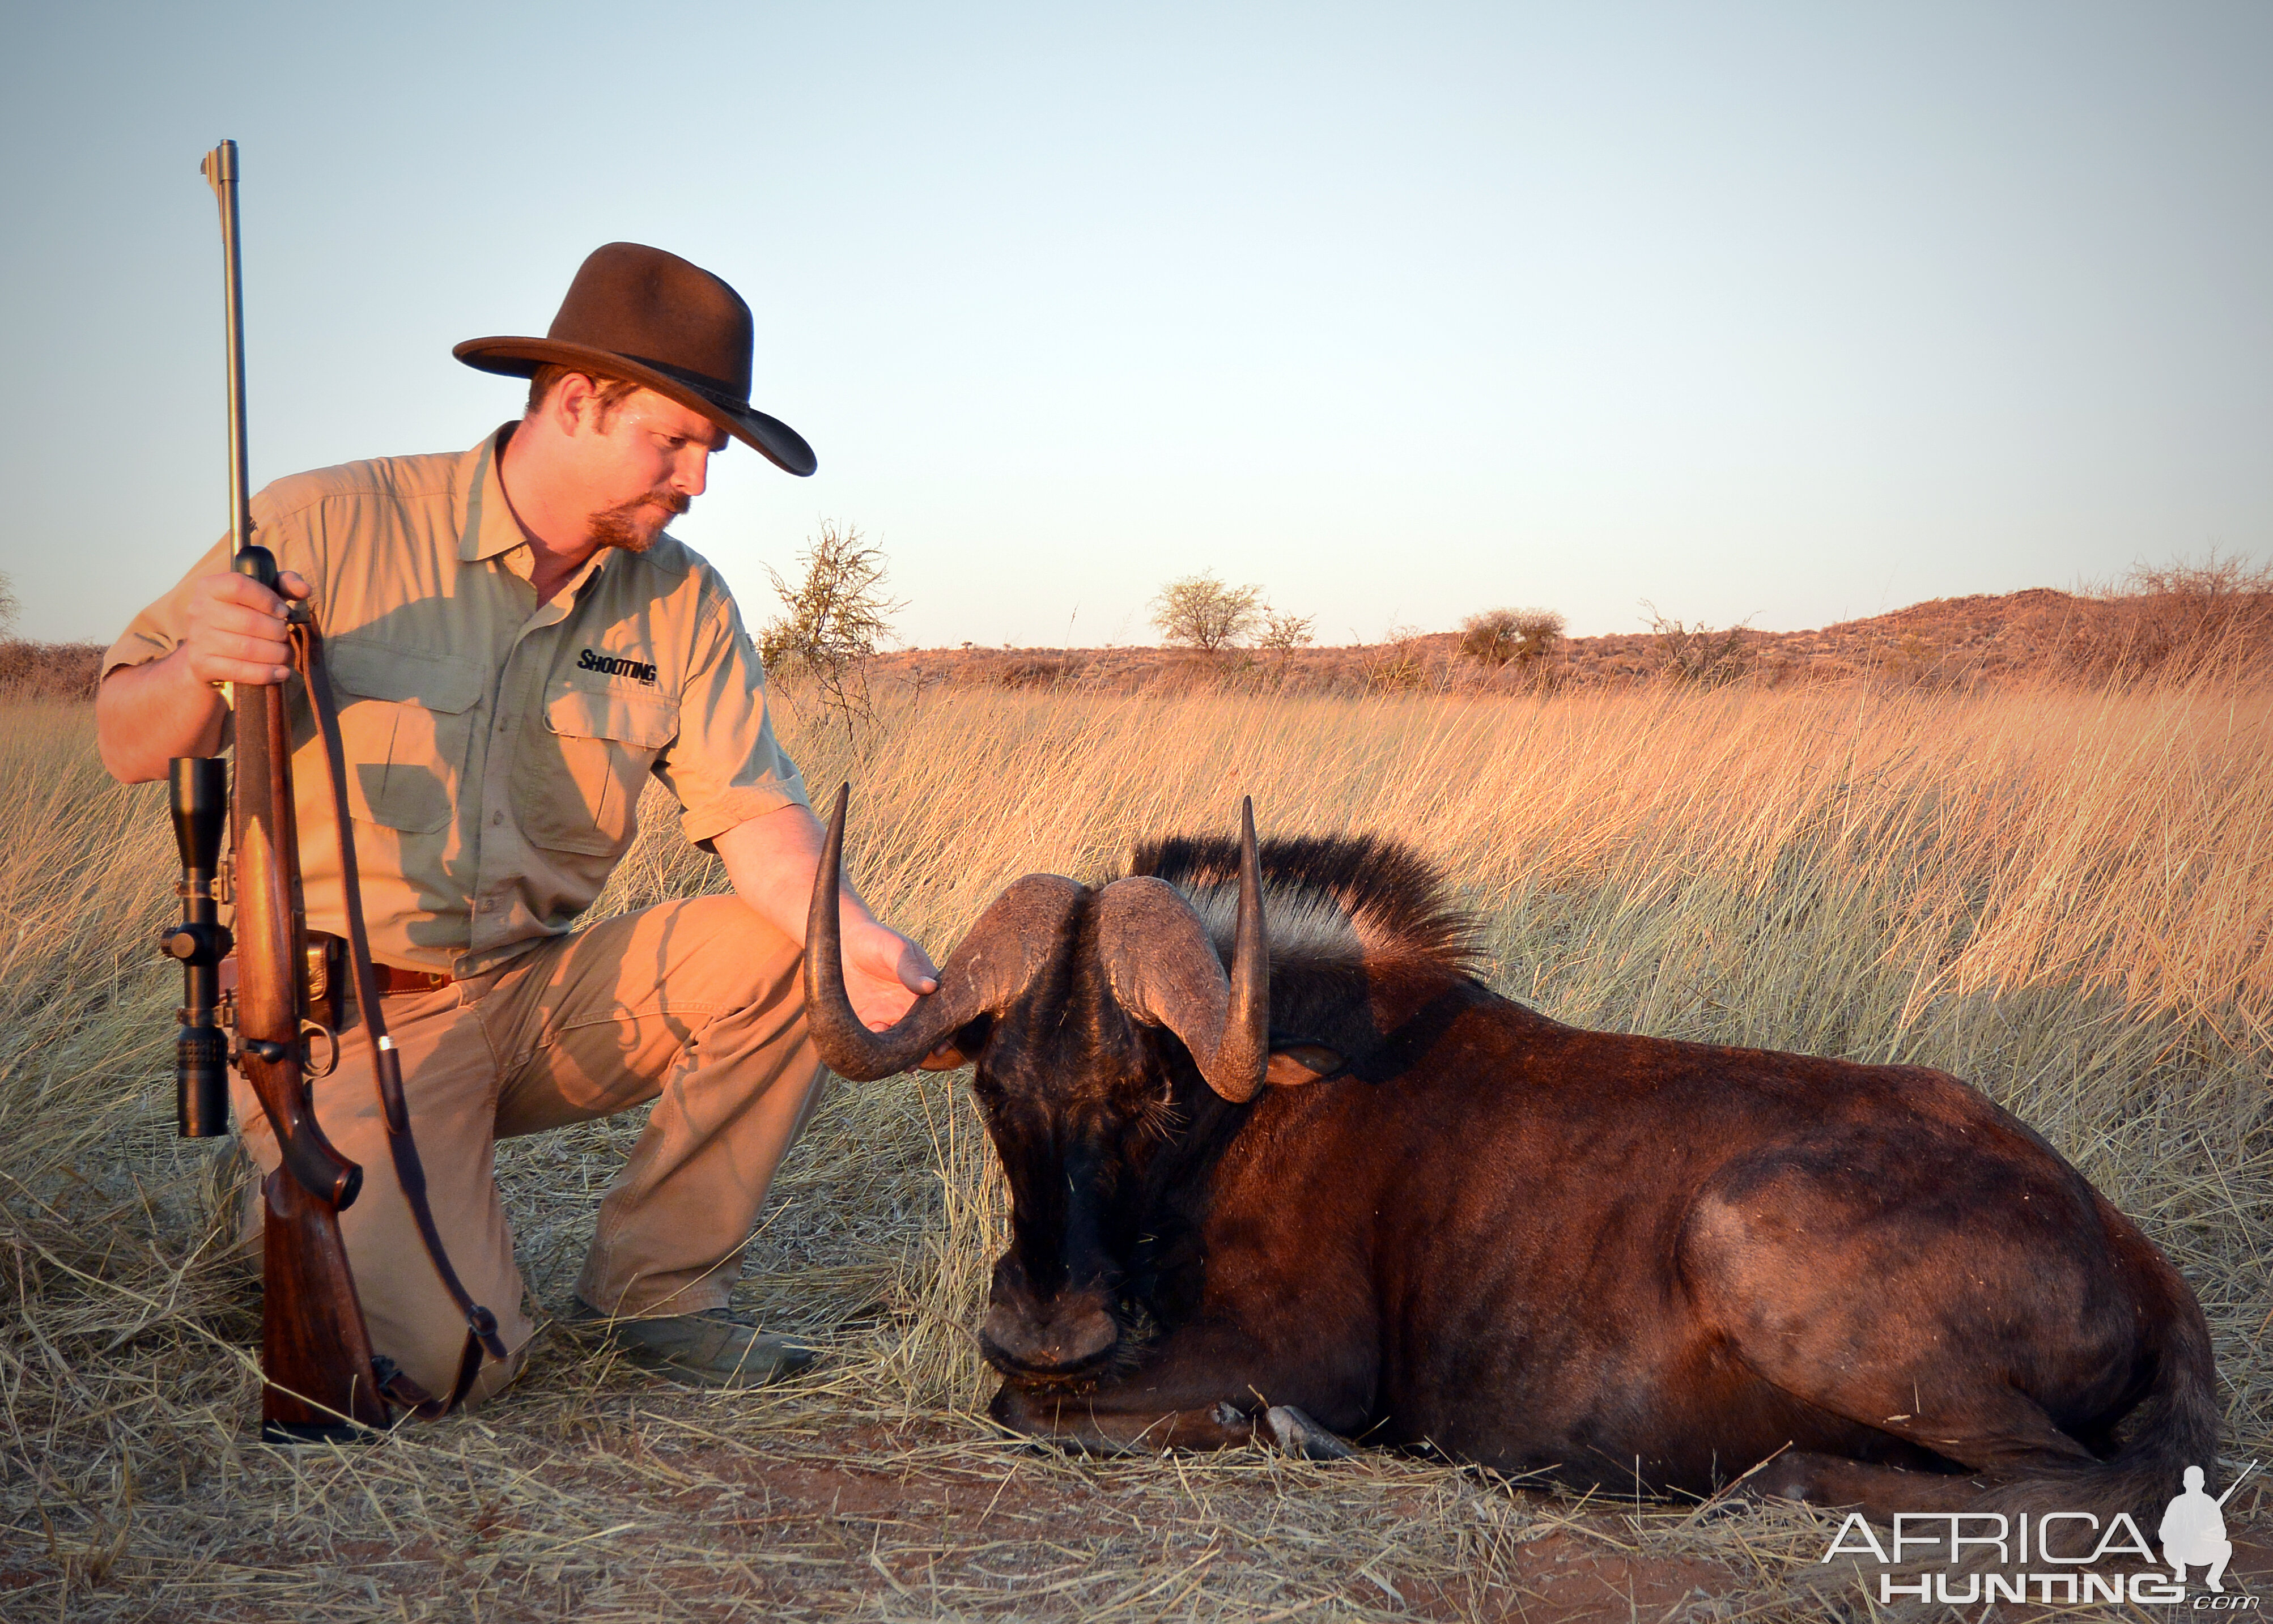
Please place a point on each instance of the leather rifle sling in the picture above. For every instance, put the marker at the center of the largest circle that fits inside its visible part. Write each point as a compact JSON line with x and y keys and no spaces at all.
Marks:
{"x":387,"y":1066}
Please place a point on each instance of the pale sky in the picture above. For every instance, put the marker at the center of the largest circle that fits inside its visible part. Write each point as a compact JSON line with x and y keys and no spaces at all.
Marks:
{"x":1793,"y":312}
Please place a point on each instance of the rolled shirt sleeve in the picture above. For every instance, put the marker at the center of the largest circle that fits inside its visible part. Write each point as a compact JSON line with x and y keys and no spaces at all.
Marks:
{"x":158,"y":630}
{"x":725,"y":767}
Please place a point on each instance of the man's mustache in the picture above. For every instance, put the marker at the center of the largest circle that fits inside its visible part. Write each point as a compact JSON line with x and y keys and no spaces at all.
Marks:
{"x":620,"y":526}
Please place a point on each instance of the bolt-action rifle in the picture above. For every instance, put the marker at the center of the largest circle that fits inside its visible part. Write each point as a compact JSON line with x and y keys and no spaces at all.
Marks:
{"x":321,"y":1380}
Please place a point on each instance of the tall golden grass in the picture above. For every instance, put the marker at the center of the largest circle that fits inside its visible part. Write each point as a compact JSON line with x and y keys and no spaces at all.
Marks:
{"x":2063,"y":896}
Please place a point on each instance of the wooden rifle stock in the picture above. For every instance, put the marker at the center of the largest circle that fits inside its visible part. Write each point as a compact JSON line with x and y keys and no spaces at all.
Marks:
{"x":316,"y":1353}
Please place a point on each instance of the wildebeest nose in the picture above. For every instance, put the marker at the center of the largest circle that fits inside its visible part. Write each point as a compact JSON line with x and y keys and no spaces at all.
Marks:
{"x":1063,"y":1334}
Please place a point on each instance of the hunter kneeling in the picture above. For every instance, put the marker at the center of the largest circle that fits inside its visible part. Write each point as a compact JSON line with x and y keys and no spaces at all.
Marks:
{"x":516,"y":645}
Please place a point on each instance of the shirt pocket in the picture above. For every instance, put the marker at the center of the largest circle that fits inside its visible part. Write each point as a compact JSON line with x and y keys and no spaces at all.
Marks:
{"x":576,"y":786}
{"x":405,"y":717}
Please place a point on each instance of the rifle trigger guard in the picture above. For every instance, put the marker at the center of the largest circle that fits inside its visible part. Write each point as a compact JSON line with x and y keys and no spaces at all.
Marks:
{"x":309,"y":1032}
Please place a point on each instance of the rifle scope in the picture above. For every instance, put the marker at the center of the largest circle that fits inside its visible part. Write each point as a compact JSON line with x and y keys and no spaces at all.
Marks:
{"x":199,"y":788}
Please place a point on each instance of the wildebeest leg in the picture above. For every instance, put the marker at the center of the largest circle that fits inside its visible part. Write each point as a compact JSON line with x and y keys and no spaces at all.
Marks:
{"x":1206,"y":1388}
{"x":1093,"y":1421}
{"x":1971,"y":1419}
{"x":1076,"y":1421}
{"x":1299,"y":1435}
{"x":1880,"y":1491}
{"x":1774,"y":1265}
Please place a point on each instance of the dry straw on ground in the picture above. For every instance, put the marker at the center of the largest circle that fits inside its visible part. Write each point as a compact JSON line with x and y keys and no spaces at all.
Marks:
{"x":2062,"y":896}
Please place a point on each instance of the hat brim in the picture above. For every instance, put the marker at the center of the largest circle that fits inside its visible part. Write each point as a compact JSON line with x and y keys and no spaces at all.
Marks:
{"x":770,"y":436}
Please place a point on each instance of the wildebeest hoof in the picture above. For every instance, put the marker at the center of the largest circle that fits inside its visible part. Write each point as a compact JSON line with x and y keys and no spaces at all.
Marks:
{"x":1226,"y":1414}
{"x":1300,"y":1436}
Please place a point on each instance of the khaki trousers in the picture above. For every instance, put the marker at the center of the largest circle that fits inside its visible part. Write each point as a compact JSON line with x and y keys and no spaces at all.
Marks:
{"x":696,"y":1004}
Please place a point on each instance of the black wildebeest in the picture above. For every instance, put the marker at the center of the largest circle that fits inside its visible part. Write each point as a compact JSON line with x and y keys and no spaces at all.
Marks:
{"x":1617,"y":1260}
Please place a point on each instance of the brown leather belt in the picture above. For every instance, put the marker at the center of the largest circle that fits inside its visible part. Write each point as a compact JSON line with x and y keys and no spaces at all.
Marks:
{"x":328,"y":975}
{"x":392,"y":980}
{"x":329,"y":986}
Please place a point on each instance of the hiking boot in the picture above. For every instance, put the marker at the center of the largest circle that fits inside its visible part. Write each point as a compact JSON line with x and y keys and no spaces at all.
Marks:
{"x":716,"y":1348}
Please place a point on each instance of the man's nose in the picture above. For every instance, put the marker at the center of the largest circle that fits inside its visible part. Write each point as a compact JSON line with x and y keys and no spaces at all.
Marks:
{"x":693,"y":471}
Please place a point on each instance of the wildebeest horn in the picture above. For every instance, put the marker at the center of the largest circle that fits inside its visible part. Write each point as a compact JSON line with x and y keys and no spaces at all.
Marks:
{"x":1163,"y":970}
{"x":1010,"y":942}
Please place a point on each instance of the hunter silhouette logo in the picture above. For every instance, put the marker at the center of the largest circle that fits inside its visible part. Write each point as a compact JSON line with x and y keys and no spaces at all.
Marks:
{"x":2193,"y":1529}
{"x":1971,"y":1545}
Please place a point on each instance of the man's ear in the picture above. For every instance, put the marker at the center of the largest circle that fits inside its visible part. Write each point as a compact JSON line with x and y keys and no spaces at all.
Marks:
{"x":946,"y":1057}
{"x":570,"y":402}
{"x":1293,"y":1064}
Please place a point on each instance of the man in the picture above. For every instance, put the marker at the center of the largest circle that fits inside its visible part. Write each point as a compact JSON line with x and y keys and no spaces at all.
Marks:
{"x":517,"y":646}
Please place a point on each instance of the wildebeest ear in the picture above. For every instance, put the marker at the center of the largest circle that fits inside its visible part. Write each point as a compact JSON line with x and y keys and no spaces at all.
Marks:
{"x":1293,"y":1064}
{"x":956,"y":1048}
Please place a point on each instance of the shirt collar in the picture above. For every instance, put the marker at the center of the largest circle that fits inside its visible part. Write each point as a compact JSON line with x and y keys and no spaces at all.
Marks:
{"x":486,"y":526}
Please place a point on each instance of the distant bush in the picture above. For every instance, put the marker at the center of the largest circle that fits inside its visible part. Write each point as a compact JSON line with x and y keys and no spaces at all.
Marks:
{"x":2177,"y":620}
{"x":50,"y":670}
{"x":1698,"y":654}
{"x":1042,"y":671}
{"x":1283,"y":634}
{"x":1394,"y":665}
{"x":1200,"y":611}
{"x":1501,"y":636}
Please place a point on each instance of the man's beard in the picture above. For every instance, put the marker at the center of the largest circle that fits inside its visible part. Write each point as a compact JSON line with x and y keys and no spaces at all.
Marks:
{"x":632,"y":525}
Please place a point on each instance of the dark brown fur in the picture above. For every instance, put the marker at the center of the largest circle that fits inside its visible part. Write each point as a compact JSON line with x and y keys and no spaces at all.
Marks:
{"x":1619,"y":1261}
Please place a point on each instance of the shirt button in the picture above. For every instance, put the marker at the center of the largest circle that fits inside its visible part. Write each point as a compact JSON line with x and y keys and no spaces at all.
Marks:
{"x":497,"y":818}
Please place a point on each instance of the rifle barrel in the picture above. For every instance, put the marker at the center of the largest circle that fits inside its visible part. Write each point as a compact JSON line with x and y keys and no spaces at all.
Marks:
{"x":220,"y":168}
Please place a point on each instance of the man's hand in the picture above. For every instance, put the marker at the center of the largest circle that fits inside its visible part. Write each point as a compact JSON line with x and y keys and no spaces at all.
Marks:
{"x":772,"y":860}
{"x":884,"y":973}
{"x":233,"y":631}
{"x":236,"y":628}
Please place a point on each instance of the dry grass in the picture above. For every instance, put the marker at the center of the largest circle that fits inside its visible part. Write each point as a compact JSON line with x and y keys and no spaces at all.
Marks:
{"x":2062,"y":896}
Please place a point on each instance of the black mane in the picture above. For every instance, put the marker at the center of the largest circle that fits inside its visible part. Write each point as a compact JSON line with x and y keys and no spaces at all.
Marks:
{"x":1331,"y":899}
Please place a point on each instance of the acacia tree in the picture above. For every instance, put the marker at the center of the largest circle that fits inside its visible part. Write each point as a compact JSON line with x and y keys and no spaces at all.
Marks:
{"x":834,"y":620}
{"x":1283,"y":633}
{"x":1498,"y":636}
{"x":1199,"y":611}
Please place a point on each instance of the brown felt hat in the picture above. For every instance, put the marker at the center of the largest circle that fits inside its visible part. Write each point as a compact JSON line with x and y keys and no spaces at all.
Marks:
{"x":638,"y":313}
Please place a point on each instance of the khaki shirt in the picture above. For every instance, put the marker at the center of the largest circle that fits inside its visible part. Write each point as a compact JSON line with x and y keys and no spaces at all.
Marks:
{"x":496,"y":747}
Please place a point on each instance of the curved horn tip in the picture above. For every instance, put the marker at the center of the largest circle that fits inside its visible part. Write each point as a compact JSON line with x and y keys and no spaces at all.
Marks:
{"x":842,"y":1042}
{"x":829,"y":869}
{"x":1243,"y":1053}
